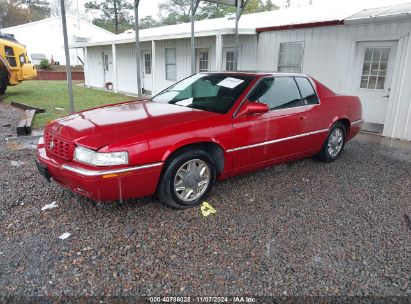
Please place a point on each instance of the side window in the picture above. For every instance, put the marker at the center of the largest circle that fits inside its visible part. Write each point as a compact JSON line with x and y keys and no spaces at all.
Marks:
{"x":10,"y":56}
{"x":307,"y":91}
{"x":278,"y":93}
{"x":22,"y":59}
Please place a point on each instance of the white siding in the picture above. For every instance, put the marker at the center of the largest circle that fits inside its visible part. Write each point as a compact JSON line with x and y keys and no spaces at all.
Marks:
{"x":94,"y":73}
{"x":126,"y":63}
{"x":248,"y":50}
{"x":126,"y":66}
{"x":183,"y":58}
{"x":329,"y":56}
{"x":183,"y":47}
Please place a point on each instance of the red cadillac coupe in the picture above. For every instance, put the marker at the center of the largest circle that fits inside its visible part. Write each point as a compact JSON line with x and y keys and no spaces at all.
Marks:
{"x":206,"y":127}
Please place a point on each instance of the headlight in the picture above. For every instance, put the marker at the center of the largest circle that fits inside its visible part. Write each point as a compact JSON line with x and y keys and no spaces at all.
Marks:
{"x":91,"y":157}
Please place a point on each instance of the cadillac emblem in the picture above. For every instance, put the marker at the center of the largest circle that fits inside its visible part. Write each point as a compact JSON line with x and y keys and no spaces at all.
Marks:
{"x":51,"y":146}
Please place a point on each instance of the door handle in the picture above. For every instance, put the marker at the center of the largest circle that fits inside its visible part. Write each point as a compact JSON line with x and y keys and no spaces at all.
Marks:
{"x":303,"y":117}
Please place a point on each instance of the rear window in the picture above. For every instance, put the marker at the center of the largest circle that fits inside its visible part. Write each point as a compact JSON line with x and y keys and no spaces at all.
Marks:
{"x":307,"y":91}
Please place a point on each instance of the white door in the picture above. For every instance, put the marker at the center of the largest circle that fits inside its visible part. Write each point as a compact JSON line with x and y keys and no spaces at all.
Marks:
{"x":147,"y":72}
{"x":374,"y":69}
{"x":202,"y":60}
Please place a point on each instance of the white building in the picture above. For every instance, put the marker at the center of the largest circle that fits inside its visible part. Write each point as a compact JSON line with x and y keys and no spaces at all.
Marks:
{"x":360,"y":52}
{"x":44,"y":38}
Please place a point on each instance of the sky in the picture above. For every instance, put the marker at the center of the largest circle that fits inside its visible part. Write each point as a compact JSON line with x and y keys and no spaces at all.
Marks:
{"x":150,"y":7}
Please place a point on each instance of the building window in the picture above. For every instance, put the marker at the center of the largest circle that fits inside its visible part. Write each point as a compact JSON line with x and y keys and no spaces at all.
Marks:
{"x":171,"y":72}
{"x":230,"y":60}
{"x":203,"y":60}
{"x":10,"y":56}
{"x":290,"y":57}
{"x":374,"y":68}
{"x":147,"y":63}
{"x":105,"y":62}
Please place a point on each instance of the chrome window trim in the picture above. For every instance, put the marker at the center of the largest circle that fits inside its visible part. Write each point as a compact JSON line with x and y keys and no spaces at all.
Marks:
{"x":86,"y":172}
{"x":276,"y":140}
{"x":357,"y":121}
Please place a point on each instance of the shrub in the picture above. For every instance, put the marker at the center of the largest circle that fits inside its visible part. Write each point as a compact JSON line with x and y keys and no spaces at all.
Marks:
{"x":45,"y":64}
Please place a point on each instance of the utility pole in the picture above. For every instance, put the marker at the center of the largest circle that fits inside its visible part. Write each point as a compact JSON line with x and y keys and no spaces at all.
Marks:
{"x":193,"y":49}
{"x":237,"y":44}
{"x":67,"y":53}
{"x":138,"y":64}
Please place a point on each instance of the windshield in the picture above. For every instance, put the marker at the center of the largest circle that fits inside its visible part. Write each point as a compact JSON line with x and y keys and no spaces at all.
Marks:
{"x":209,"y":92}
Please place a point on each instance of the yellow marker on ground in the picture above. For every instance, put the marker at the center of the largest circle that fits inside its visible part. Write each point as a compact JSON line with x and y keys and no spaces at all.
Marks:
{"x":207,"y":209}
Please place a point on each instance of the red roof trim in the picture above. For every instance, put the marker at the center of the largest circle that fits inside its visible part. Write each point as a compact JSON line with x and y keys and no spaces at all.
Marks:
{"x":299,"y":26}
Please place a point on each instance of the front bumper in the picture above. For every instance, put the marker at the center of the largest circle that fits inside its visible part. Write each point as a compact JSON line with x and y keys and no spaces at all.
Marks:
{"x":104,"y":184}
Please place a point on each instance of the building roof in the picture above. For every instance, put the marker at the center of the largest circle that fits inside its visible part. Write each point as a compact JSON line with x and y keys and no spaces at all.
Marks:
{"x":51,"y":20}
{"x":397,"y":12}
{"x":313,"y":15}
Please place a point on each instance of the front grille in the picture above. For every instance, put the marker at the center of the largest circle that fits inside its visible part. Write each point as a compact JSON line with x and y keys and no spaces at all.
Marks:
{"x":60,"y":147}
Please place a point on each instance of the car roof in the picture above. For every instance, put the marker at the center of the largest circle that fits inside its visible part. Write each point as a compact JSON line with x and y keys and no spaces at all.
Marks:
{"x":257,"y":73}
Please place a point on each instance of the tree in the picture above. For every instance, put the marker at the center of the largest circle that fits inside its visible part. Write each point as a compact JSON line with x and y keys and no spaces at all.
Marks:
{"x":115,"y":15}
{"x":38,"y":9}
{"x":16,"y":12}
{"x":12,"y":14}
{"x":174,"y":11}
{"x":214,"y":10}
{"x":287,"y":3}
{"x":178,"y":11}
{"x":270,"y":6}
{"x":55,"y":8}
{"x":148,"y":22}
{"x":257,"y":6}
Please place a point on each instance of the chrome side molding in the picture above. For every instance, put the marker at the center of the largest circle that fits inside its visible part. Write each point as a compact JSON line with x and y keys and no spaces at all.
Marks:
{"x":357,"y":121}
{"x":86,"y":172}
{"x":277,"y":140}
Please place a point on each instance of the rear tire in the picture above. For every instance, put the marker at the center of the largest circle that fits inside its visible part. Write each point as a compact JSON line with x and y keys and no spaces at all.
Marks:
{"x":4,"y":81}
{"x":334,"y":144}
{"x":187,"y":179}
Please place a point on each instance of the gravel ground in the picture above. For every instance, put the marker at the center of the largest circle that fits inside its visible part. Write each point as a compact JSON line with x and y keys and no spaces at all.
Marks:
{"x":9,"y":120}
{"x":300,"y":229}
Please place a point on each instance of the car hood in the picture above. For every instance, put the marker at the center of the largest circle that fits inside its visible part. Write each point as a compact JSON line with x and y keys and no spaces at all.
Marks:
{"x":97,"y":128}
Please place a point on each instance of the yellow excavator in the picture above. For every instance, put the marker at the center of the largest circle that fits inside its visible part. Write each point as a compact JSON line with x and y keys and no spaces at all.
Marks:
{"x":15,"y":66}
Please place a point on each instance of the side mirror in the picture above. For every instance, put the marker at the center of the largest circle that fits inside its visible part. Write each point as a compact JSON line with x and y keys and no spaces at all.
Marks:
{"x":250,"y":108}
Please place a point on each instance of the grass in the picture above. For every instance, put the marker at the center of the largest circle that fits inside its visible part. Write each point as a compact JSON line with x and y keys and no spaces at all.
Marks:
{"x":50,"y":95}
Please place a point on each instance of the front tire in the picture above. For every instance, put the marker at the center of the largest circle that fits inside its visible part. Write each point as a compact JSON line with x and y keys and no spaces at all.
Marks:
{"x":4,"y":81}
{"x":334,"y":144}
{"x":187,"y":179}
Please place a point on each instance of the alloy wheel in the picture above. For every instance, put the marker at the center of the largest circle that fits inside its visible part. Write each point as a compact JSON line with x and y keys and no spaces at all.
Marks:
{"x":191,"y":180}
{"x":335,"y":142}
